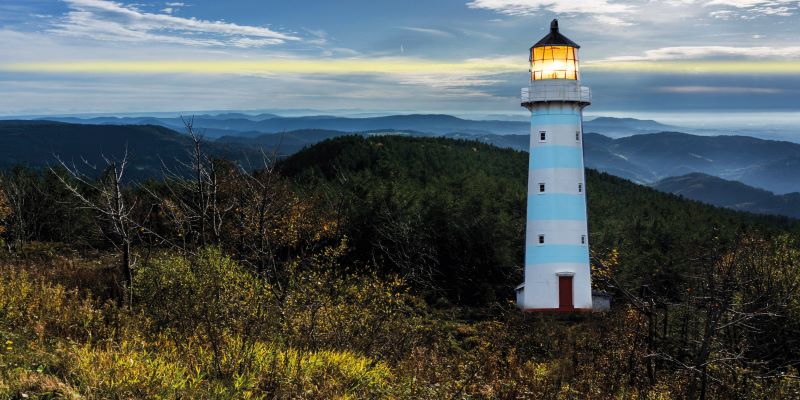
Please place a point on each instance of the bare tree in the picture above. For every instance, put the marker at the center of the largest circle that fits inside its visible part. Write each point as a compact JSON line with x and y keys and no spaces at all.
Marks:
{"x":106,"y":197}
{"x":193,"y":200}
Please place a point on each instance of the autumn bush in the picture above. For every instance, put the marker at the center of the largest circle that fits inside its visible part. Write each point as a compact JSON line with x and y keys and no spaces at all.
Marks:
{"x":203,"y":327}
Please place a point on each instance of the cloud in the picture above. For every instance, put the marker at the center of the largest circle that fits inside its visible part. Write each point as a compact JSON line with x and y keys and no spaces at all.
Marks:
{"x":717,"y":90}
{"x":712,"y":52}
{"x":602,"y":11}
{"x":631,"y":12}
{"x":112,"y":21}
{"x":478,"y":34}
{"x":428,"y":31}
{"x":528,"y":7}
{"x":611,"y":20}
{"x":747,"y":3}
{"x":448,"y":81}
{"x":749,"y":9}
{"x":470,"y":77}
{"x":694,"y":67}
{"x":758,"y":60}
{"x":722,"y":14}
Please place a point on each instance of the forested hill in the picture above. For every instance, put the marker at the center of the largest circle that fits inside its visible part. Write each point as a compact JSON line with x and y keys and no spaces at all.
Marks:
{"x":460,"y":207}
{"x":150,"y":148}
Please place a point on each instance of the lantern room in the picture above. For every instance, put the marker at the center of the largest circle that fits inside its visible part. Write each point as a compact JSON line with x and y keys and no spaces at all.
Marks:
{"x":554,"y":57}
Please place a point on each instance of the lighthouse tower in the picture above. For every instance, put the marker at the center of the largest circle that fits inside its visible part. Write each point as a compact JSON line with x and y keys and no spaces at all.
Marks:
{"x":557,"y":272}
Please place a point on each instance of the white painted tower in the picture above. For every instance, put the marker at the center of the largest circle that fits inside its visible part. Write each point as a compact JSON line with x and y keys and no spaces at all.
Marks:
{"x":557,"y":272}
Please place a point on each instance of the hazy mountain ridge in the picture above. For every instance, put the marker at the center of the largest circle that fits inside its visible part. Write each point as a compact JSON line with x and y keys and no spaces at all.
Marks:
{"x":620,"y":127}
{"x":239,"y":124}
{"x":151,"y":148}
{"x":433,"y":123}
{"x":731,"y":194}
{"x":766,"y":164}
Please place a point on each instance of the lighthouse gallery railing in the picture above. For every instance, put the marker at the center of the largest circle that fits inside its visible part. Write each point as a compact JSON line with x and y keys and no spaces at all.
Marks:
{"x":556,"y":90}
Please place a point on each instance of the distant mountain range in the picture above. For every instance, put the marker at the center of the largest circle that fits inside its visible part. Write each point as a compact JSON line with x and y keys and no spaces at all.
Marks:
{"x":731,"y":194}
{"x":766,"y":164}
{"x":237,"y":124}
{"x":151,"y":148}
{"x":644,"y":158}
{"x":621,"y":127}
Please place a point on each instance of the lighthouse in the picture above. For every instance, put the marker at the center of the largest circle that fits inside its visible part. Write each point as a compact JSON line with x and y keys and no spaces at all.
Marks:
{"x":557,"y":272}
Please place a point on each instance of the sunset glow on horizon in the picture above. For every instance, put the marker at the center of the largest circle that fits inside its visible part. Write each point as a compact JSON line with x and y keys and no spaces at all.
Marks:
{"x":390,"y":66}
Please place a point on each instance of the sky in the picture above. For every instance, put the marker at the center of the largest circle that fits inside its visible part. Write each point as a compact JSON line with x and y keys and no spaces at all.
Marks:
{"x":467,"y":57}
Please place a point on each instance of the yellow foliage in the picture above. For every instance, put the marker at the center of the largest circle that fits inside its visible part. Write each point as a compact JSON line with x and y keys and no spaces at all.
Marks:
{"x":603,"y":270}
{"x":5,"y":210}
{"x":205,"y":327}
{"x":79,"y":340}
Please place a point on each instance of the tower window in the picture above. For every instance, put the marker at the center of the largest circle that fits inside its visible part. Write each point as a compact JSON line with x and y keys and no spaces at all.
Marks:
{"x":541,"y":188}
{"x":541,"y":239}
{"x":542,"y":135}
{"x":580,"y":188}
{"x":578,"y":135}
{"x":583,"y":239}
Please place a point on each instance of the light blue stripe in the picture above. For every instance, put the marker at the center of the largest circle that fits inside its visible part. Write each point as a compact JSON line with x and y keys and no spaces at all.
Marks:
{"x":546,"y":111}
{"x":556,"y":206}
{"x":555,"y":119}
{"x":556,"y":157}
{"x":556,"y":253}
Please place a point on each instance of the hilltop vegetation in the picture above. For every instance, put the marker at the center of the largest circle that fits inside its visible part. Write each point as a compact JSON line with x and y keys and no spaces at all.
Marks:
{"x":466,"y":203}
{"x":379,"y":267}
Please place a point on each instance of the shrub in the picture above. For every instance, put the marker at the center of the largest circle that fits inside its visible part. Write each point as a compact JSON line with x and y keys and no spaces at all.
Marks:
{"x":207,"y":296}
{"x":42,"y":310}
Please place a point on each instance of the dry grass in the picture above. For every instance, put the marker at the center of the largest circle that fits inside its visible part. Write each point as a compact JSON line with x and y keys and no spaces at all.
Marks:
{"x":328,"y":337}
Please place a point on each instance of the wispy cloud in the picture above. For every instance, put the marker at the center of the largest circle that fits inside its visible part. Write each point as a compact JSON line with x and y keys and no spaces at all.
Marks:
{"x":717,"y":90}
{"x":749,"y":9}
{"x":627,"y":12}
{"x":527,"y":7}
{"x":428,"y":31}
{"x":694,"y":67}
{"x":112,"y":21}
{"x":748,"y":3}
{"x":612,"y":20}
{"x":602,"y":11}
{"x":712,"y":52}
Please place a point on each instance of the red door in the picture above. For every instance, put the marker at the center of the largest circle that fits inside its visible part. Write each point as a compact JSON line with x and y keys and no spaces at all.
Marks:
{"x":565,"y":292}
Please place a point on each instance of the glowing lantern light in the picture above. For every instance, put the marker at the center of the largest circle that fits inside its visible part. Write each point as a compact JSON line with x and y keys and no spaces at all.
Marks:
{"x":554,"y":57}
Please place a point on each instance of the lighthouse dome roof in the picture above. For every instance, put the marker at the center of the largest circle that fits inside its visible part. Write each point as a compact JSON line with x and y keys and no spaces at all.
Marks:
{"x":555,"y":38}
